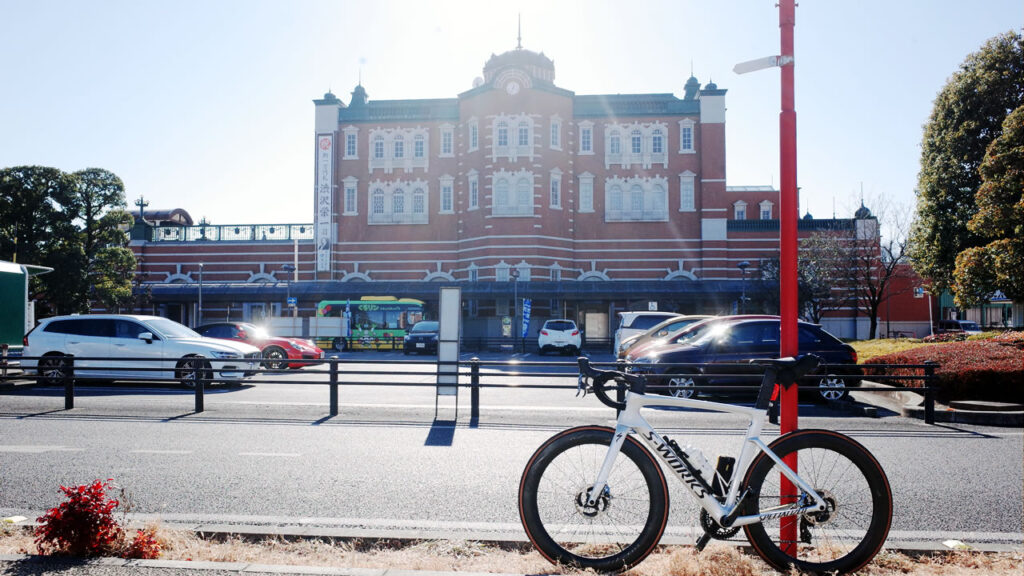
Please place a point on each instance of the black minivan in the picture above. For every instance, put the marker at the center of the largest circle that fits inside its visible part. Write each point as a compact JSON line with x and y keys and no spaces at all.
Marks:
{"x":737,"y":342}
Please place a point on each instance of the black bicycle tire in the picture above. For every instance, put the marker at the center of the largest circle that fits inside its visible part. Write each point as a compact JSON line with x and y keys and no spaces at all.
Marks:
{"x":657,"y":515}
{"x":874,"y":476}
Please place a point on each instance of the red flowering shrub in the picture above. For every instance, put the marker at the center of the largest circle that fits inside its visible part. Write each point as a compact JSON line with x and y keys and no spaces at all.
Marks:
{"x":945,"y":337}
{"x":144,"y":546}
{"x":84,"y":525}
{"x":971,"y":370}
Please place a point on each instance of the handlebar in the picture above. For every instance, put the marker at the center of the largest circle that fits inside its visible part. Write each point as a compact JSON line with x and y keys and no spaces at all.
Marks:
{"x":599,"y":382}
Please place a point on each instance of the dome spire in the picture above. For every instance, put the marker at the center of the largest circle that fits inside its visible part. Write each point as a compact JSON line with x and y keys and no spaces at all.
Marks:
{"x":519,"y":33}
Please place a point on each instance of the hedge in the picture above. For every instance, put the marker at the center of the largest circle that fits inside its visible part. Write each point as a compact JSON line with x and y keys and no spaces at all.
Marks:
{"x":972,"y":370}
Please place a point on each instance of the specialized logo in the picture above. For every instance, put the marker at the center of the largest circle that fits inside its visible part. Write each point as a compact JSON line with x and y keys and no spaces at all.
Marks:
{"x":677,"y":465}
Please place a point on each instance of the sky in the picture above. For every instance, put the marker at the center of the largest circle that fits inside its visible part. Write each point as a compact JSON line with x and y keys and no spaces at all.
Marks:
{"x":207,"y":105}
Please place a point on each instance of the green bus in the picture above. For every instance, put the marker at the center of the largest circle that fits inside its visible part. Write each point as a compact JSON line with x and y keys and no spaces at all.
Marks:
{"x":373,"y":322}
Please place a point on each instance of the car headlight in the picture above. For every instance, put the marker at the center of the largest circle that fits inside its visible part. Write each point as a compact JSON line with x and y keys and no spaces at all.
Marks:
{"x":226,"y":355}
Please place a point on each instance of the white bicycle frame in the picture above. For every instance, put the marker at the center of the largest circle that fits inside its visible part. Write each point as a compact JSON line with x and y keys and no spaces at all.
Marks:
{"x":631,"y":421}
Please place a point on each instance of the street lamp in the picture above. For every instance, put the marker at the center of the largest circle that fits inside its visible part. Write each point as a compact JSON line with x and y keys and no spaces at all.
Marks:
{"x":199,"y":311}
{"x":514,"y":274}
{"x":743,"y":286}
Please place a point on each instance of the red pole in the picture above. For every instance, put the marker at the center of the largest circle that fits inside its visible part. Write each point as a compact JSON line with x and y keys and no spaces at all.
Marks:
{"x":788,"y":216}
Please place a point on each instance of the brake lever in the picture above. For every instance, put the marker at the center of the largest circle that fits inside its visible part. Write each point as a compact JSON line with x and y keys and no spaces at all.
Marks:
{"x":581,"y":386}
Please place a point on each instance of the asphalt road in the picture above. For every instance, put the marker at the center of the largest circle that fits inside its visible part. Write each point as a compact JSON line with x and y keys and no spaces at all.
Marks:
{"x":271,"y":455}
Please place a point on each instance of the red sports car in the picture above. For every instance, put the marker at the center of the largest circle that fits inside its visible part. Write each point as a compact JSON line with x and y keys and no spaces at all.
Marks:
{"x":278,"y":352}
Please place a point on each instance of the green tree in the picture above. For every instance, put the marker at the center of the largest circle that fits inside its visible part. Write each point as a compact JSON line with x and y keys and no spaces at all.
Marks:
{"x":968,"y":114}
{"x":72,"y":223}
{"x":998,"y":265}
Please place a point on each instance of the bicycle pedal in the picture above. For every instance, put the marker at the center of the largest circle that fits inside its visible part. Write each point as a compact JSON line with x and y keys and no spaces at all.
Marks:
{"x":702,"y":542}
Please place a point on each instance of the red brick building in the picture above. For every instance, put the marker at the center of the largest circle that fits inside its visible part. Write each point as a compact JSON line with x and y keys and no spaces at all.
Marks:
{"x":514,"y":189}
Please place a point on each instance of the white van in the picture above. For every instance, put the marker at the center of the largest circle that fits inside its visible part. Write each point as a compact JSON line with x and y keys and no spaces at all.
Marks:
{"x":128,"y":347}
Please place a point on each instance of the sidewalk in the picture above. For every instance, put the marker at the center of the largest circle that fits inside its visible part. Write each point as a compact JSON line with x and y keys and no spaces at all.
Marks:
{"x":911,"y":405}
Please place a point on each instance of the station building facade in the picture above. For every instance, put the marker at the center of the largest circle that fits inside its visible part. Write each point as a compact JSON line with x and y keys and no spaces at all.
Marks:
{"x":514,"y":190}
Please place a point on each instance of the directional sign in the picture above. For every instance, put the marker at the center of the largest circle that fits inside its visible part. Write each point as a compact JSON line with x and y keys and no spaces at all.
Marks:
{"x":293,"y":301}
{"x":526,"y":316}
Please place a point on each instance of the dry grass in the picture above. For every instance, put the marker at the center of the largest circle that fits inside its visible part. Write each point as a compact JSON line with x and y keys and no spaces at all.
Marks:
{"x":717,"y":560}
{"x":868,"y":349}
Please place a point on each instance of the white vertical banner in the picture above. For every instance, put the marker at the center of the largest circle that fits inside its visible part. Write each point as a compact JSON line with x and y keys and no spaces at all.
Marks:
{"x":449,"y":330}
{"x":324,"y":200}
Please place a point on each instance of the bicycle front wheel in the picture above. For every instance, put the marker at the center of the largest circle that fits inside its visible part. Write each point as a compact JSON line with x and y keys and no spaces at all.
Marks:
{"x":845,"y":536}
{"x":625,"y":524}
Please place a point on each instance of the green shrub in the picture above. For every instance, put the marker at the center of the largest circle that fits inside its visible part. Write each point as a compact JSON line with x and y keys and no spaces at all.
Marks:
{"x":991,"y":369}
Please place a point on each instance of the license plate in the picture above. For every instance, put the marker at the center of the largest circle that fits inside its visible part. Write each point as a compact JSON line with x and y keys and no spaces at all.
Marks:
{"x":421,"y":345}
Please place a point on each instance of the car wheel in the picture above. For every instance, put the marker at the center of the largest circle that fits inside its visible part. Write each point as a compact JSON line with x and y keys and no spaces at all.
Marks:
{"x":191,"y":370}
{"x":274,"y":358}
{"x":52,"y":370}
{"x":681,"y":386}
{"x":832,"y":388}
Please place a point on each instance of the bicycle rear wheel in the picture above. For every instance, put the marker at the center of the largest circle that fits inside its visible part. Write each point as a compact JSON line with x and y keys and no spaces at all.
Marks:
{"x":624,"y":526}
{"x":844,"y":537}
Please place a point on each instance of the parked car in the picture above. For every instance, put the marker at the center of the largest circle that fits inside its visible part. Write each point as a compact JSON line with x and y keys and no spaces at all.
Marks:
{"x":737,"y":341}
{"x":132,"y":347}
{"x":965,"y":326}
{"x":422,"y":337}
{"x":561,"y":335}
{"x":632,"y":323}
{"x":660,"y":330}
{"x":278,"y":352}
{"x":685,"y":334}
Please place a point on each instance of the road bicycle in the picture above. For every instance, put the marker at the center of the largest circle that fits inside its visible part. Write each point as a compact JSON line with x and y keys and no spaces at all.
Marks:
{"x":594,"y":497}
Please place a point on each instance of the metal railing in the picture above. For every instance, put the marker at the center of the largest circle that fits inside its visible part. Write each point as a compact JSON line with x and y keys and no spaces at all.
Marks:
{"x":232,"y":233}
{"x":470,"y":375}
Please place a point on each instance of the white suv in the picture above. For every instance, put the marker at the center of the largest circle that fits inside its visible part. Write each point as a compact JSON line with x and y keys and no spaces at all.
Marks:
{"x":562,"y":335}
{"x":115,"y":346}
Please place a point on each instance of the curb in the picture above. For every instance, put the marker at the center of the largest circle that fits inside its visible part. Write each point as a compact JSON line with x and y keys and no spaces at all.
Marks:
{"x":910,"y":405}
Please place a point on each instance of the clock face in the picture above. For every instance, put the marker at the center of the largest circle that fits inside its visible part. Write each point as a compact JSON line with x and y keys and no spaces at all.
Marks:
{"x":512,"y":88}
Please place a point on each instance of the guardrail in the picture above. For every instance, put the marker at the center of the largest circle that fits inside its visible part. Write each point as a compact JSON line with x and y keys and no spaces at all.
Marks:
{"x":472,"y":375}
{"x":472,"y":344}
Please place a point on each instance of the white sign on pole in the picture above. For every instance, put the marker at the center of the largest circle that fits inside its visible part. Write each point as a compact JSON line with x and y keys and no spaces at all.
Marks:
{"x":324,"y":200}
{"x":449,"y":329}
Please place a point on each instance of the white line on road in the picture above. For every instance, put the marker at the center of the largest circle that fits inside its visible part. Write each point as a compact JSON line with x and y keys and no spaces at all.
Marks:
{"x":271,"y":454}
{"x":161,"y":452}
{"x":39,"y":449}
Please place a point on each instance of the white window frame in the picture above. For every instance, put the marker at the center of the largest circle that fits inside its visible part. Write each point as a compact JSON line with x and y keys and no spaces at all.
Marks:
{"x":517,"y":199}
{"x":586,"y":192}
{"x":509,"y":146}
{"x":586,"y":138}
{"x":555,"y":190}
{"x":502,"y":274}
{"x":556,"y":133}
{"x":636,"y":199}
{"x":687,"y":192}
{"x":473,"y":185}
{"x":447,"y":203}
{"x":474,"y":135}
{"x":385,"y":196}
{"x":351,"y":143}
{"x":766,"y":209}
{"x":447,"y":141}
{"x":687,"y":145}
{"x":739,"y":210}
{"x":350,"y":196}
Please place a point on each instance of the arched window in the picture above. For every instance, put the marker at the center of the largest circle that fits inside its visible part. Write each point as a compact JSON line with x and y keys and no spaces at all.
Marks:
{"x":399,"y":146}
{"x":635,"y":142}
{"x":398,"y":201}
{"x":659,"y":199}
{"x":378,"y":201}
{"x":524,"y":193}
{"x":636,"y":198}
{"x":657,"y":142}
{"x":615,"y":199}
{"x":418,"y":146}
{"x":419,"y":201}
{"x":378,"y":147}
{"x":501,"y":193}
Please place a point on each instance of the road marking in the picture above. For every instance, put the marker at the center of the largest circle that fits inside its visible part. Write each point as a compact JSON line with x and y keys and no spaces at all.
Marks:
{"x":161,"y":452}
{"x":271,"y":454}
{"x":39,"y":449}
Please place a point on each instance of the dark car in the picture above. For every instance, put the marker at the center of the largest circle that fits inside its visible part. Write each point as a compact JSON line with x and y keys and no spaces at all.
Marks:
{"x":421,"y":338}
{"x":738,"y":341}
